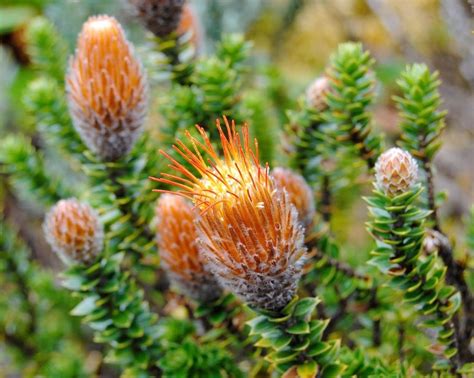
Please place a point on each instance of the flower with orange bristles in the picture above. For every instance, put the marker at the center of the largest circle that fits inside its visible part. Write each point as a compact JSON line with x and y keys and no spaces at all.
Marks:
{"x":106,"y":88}
{"x":74,"y":232}
{"x":248,"y":229}
{"x":177,"y":243}
{"x":299,"y":193}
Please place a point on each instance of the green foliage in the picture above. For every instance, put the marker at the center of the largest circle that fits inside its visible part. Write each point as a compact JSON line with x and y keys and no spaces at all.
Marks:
{"x":422,"y":121}
{"x":180,"y":109}
{"x":359,"y":365}
{"x":255,"y":109}
{"x":14,"y":16}
{"x":470,"y":231}
{"x":316,"y":154}
{"x":115,"y":192}
{"x":308,"y":142}
{"x":115,"y":309}
{"x":28,"y":172}
{"x":233,"y":50}
{"x":46,"y":103}
{"x":211,"y":92}
{"x":352,"y":92}
{"x":47,"y":50}
{"x":218,"y":80}
{"x":397,"y":225}
{"x":218,"y":86}
{"x":217,"y":317}
{"x":174,"y":57}
{"x":328,"y":270}
{"x":295,"y":339}
{"x":30,"y":310}
{"x":187,"y":359}
{"x":219,"y":311}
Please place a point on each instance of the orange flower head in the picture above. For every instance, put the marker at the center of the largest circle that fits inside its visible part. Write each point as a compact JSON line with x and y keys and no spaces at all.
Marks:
{"x":299,"y":193}
{"x":177,"y":243}
{"x":248,"y":229}
{"x":74,"y":232}
{"x":106,"y":88}
{"x":161,"y":17}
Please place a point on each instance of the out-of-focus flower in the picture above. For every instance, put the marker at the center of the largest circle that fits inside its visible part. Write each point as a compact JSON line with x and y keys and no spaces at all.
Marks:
{"x":316,"y":93}
{"x":190,"y":24}
{"x":248,"y":228}
{"x":106,"y":88}
{"x":74,"y":232}
{"x":161,"y":17}
{"x":177,"y":243}
{"x":396,"y":171}
{"x":431,"y":242}
{"x":299,"y":193}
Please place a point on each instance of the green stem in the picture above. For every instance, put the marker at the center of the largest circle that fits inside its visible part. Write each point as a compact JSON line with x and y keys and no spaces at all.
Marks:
{"x":376,"y":323}
{"x":21,"y":344}
{"x":124,"y":204}
{"x":401,"y":341}
{"x":326,"y":199}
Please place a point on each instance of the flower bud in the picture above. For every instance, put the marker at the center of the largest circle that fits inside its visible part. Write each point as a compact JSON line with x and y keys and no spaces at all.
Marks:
{"x":395,"y":171}
{"x":177,"y":244}
{"x":316,"y":93}
{"x":299,"y":193}
{"x":73,"y":230}
{"x":161,"y":17}
{"x":106,"y":89}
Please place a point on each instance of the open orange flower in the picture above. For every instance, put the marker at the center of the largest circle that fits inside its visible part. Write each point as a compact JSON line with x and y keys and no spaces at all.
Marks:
{"x":106,"y":88}
{"x":177,"y":243}
{"x":248,"y":229}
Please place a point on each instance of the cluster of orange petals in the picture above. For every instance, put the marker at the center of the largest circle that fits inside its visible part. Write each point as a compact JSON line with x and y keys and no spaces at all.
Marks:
{"x":246,"y":224}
